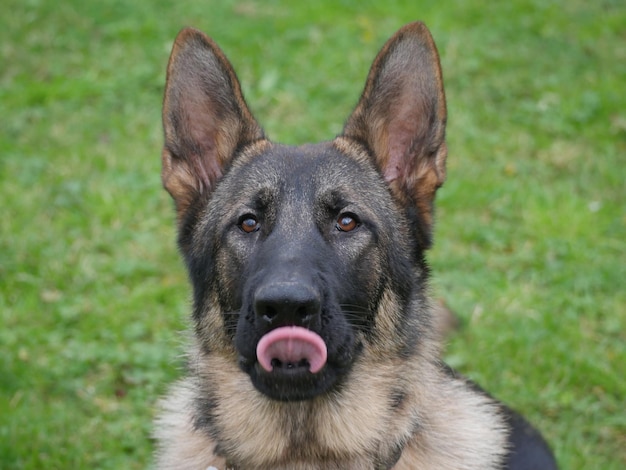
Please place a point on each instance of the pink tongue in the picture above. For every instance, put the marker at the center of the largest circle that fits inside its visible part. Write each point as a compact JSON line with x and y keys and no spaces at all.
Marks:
{"x":292,"y":345}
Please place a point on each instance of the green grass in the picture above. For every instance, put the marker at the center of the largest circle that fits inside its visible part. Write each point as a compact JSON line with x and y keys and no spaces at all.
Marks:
{"x":531,"y":232}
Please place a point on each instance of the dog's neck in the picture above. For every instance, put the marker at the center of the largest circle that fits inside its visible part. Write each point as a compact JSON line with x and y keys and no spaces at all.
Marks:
{"x":381,"y":462}
{"x":306,"y":429}
{"x":384,"y":461}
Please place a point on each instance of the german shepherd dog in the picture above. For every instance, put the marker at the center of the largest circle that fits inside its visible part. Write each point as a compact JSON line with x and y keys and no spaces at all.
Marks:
{"x":315,"y":345}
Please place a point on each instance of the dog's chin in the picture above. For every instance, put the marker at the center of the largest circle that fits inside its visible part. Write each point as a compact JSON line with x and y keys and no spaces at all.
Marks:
{"x":293,"y":383}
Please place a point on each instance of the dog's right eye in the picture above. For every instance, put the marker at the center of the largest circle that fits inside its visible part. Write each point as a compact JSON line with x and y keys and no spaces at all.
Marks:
{"x":347,"y":222}
{"x":248,"y":223}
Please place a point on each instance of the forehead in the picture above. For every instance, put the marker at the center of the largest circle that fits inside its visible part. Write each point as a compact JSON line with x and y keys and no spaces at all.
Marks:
{"x":309,"y":169}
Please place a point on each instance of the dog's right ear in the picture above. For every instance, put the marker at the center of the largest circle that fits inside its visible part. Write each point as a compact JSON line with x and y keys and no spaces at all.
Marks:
{"x":205,"y":118}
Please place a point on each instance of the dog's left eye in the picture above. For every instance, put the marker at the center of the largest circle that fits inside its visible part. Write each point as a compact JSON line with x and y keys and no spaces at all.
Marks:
{"x":249,"y":223}
{"x":347,"y":222}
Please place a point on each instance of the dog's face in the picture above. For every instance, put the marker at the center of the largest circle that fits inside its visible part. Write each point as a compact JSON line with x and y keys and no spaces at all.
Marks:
{"x":293,"y":250}
{"x":302,"y":263}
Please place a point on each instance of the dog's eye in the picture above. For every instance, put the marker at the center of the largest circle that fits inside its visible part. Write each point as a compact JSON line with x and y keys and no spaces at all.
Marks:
{"x":248,"y":223}
{"x":347,"y":222}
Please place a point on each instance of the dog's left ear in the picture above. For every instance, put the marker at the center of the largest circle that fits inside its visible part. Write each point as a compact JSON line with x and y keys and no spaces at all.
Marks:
{"x":401,"y":119}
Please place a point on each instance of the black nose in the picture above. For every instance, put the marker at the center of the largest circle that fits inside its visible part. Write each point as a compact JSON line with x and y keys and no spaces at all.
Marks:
{"x":287,"y":303}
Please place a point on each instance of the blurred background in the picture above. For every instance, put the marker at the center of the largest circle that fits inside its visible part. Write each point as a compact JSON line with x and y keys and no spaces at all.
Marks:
{"x":531,"y":225}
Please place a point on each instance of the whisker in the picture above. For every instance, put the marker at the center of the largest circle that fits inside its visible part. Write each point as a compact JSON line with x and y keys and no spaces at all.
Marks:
{"x":357,"y":316}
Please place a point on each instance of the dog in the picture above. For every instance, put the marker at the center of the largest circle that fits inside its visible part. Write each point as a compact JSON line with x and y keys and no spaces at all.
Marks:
{"x":314,"y":344}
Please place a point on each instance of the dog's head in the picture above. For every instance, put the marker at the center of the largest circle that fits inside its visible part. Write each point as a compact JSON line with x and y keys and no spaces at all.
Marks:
{"x":303,"y":257}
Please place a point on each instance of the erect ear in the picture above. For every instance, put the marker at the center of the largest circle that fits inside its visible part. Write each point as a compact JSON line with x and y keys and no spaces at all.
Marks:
{"x":401,"y":118}
{"x":205,"y":118}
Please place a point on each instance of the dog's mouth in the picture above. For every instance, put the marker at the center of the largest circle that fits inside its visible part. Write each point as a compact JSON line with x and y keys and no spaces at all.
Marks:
{"x":292,"y":363}
{"x":291,"y":350}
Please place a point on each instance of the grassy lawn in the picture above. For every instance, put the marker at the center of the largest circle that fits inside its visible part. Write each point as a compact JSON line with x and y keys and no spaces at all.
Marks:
{"x":531,"y":234}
